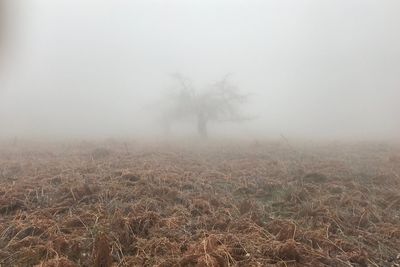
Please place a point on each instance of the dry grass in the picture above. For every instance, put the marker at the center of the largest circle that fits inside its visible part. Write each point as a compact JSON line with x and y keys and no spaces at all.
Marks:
{"x":117,"y":204}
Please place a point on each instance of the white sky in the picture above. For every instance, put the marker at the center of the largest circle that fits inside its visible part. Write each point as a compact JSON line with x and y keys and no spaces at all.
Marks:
{"x":315,"y":67}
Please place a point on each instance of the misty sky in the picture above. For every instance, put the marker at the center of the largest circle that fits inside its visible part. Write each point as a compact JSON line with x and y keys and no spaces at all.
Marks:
{"x":314,"y":68}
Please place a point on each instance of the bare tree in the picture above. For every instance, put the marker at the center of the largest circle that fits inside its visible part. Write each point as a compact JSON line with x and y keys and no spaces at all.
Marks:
{"x":219,"y":102}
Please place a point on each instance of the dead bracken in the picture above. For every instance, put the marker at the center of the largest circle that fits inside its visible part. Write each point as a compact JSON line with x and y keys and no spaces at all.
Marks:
{"x":130,"y":177}
{"x":179,"y":205}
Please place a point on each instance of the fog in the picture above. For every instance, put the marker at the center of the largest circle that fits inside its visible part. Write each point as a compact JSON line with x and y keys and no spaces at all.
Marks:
{"x":312,"y":68}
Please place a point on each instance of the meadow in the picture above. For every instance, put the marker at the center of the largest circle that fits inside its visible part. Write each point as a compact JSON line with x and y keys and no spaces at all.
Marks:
{"x":258,"y":203}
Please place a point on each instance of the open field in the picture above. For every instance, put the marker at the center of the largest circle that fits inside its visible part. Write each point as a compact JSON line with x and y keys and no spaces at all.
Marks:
{"x":244,"y":204}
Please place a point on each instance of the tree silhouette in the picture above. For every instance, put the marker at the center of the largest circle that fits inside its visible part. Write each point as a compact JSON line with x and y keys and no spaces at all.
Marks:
{"x":219,"y":102}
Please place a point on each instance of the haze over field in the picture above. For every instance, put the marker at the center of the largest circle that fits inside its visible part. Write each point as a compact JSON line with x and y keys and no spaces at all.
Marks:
{"x":199,"y":133}
{"x":315,"y":68}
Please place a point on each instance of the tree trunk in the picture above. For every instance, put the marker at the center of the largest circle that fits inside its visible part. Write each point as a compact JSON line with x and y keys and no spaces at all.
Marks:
{"x":202,"y":125}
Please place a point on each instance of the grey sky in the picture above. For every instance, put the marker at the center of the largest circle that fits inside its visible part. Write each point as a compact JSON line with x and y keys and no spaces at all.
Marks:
{"x":315,"y":68}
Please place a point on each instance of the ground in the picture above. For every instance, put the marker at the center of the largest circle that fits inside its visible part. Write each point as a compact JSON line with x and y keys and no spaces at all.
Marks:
{"x":259,"y":203}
